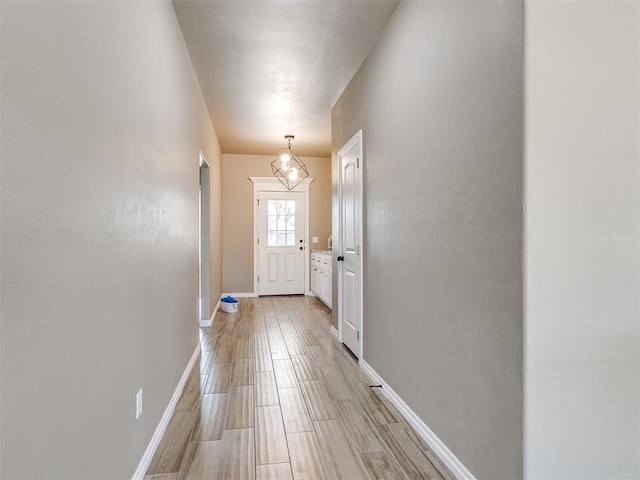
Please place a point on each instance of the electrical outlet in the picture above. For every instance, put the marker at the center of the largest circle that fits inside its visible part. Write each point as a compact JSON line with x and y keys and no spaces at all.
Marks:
{"x":138,"y":404}
{"x":314,"y":239}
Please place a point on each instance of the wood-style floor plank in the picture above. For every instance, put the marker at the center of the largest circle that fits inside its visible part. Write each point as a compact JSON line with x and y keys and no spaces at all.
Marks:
{"x":409,"y":455}
{"x":318,"y":400}
{"x":260,"y":340}
{"x":304,"y":367}
{"x":262,"y":360}
{"x":206,"y":362}
{"x":409,"y":429}
{"x":271,"y":443}
{"x":351,"y":371}
{"x":319,"y":357}
{"x":279,"y":349}
{"x":237,"y":457}
{"x":242,"y":372}
{"x":240,"y":407}
{"x":210,"y":422}
{"x":170,"y":452}
{"x":382,"y":466}
{"x":285,"y":375}
{"x":334,"y":381}
{"x":274,"y":332}
{"x":320,"y":330}
{"x":307,"y":462}
{"x":206,"y":461}
{"x":187,"y":459}
{"x":330,"y":349}
{"x":209,"y":342}
{"x":372,"y":404}
{"x":306,"y":336}
{"x":441,"y":467}
{"x":294,"y":345}
{"x":226,"y":346}
{"x":342,"y":463}
{"x":363,"y":435}
{"x":191,"y":393}
{"x":244,"y":348}
{"x":276,"y":471}
{"x":287,"y":327}
{"x":265,"y":390}
{"x":294,"y":411}
{"x":219,"y":378}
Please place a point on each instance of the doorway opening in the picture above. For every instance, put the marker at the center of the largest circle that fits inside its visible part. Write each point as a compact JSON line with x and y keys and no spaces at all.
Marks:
{"x":204,"y":236}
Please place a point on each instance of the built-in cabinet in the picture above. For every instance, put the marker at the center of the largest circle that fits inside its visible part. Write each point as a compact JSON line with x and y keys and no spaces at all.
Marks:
{"x":321,"y":267}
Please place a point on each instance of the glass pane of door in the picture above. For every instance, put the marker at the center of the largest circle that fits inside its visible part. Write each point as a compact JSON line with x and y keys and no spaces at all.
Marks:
{"x":281,"y":223}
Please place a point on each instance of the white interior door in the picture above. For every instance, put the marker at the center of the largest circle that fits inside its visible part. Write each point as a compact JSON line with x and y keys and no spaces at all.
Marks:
{"x":281,"y":227}
{"x":350,"y":238}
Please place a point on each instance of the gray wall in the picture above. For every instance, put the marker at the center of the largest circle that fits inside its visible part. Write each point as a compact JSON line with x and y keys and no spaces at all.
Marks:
{"x":439,"y":100}
{"x":582,"y":363}
{"x":102,"y":122}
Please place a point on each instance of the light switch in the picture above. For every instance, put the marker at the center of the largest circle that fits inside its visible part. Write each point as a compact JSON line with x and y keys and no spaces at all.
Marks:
{"x":314,"y":239}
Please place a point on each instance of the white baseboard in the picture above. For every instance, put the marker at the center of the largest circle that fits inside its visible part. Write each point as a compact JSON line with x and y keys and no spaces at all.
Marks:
{"x":164,"y":421}
{"x":241,"y":294}
{"x":208,"y":323}
{"x":334,"y":332}
{"x":439,"y":448}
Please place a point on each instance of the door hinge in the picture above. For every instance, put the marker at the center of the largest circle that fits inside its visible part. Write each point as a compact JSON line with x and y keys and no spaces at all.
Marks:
{"x":258,"y":241}
{"x":358,"y":335}
{"x":357,"y":163}
{"x":258,"y":201}
{"x":258,"y":278}
{"x":358,"y":250}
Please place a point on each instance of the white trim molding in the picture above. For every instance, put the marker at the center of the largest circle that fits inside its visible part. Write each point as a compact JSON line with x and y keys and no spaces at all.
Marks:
{"x":145,"y":461}
{"x":272,"y":184}
{"x":208,"y":323}
{"x":333,"y":331}
{"x":438,"y":447}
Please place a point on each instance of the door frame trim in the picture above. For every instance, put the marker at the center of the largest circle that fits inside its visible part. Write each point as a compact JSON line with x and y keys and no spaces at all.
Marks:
{"x":357,"y":137}
{"x":272,"y":184}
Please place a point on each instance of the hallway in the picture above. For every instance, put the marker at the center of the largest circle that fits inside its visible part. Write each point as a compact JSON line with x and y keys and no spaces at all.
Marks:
{"x":277,"y":397}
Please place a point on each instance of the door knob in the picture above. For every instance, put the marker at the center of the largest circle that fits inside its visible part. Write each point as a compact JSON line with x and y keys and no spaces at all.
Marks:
{"x":340,"y":258}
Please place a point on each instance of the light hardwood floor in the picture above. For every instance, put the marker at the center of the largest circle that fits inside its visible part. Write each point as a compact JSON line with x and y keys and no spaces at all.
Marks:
{"x":276,"y":397}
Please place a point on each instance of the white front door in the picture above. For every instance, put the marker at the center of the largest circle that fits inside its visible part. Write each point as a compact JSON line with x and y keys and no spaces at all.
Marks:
{"x":281,"y":229}
{"x":350,"y":237}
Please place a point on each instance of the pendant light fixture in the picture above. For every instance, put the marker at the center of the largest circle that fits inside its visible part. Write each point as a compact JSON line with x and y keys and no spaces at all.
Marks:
{"x":288,"y":168}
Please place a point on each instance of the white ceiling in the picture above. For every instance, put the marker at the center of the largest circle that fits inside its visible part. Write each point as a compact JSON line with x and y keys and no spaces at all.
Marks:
{"x":268,"y":68}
